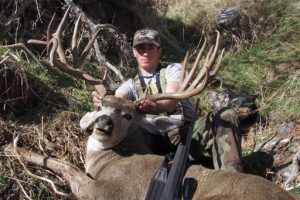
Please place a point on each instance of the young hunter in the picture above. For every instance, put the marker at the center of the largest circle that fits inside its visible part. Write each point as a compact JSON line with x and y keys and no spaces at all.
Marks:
{"x":214,"y":136}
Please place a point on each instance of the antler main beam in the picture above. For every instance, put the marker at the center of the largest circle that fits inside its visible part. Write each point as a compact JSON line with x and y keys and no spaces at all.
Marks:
{"x":208,"y":71}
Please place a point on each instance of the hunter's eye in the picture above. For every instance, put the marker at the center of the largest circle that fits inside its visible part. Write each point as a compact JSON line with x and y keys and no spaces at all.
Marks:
{"x":127,"y":116}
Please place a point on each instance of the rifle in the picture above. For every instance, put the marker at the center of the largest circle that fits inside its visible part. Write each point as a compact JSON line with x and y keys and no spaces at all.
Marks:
{"x":166,"y":183}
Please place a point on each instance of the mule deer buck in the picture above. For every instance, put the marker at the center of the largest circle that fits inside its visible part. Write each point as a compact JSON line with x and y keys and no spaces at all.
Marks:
{"x":118,"y":163}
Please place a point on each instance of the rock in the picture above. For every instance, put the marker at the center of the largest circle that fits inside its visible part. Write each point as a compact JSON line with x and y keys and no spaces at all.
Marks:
{"x":285,"y":128}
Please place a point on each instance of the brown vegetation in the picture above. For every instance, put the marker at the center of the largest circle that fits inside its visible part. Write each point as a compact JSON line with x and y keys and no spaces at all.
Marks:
{"x":13,"y":85}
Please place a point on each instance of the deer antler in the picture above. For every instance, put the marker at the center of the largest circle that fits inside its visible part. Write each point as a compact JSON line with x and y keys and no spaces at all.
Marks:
{"x":208,"y":71}
{"x":75,"y":67}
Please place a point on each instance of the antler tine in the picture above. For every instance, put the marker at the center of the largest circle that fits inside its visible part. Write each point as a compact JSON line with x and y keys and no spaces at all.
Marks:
{"x":57,"y":35}
{"x":74,"y":42}
{"x":88,"y":48}
{"x":195,"y":65}
{"x":216,"y":69}
{"x":34,"y":41}
{"x":51,"y":51}
{"x":49,"y":29}
{"x":209,"y":62}
{"x":198,"y":88}
{"x":213,"y":56}
{"x":202,"y":73}
{"x":75,"y":33}
{"x":184,"y":65}
{"x":78,"y":62}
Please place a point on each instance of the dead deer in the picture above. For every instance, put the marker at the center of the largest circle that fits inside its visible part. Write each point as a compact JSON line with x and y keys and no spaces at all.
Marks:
{"x":120,"y":166}
{"x":118,"y":163}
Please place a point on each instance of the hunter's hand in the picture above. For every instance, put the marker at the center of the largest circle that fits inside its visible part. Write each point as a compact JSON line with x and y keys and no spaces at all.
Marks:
{"x":96,"y":98}
{"x":148,"y":106}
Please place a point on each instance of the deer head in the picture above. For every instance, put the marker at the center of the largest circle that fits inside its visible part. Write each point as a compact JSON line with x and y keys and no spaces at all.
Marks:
{"x":111,"y":121}
{"x":116,"y":117}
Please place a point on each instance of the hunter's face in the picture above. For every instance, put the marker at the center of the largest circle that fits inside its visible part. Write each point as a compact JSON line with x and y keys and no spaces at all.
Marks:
{"x":147,"y":55}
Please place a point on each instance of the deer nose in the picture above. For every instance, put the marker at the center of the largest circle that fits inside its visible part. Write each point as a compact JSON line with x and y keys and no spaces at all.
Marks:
{"x":104,"y":122}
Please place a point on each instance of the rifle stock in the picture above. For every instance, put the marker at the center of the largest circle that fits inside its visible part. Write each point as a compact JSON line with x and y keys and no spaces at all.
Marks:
{"x":175,"y":178}
{"x":166,"y":183}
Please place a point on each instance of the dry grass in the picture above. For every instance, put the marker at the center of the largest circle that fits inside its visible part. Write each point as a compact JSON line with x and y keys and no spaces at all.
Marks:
{"x":13,"y":83}
{"x":203,"y":15}
{"x":59,"y":137}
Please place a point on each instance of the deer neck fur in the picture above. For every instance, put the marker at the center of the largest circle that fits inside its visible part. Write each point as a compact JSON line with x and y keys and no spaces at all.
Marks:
{"x":97,"y":158}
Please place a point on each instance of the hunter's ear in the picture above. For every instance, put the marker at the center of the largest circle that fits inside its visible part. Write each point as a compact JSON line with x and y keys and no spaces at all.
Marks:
{"x":88,"y":120}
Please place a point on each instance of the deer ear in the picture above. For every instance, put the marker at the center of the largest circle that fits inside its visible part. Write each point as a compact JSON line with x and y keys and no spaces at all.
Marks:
{"x":158,"y":123}
{"x":88,"y":120}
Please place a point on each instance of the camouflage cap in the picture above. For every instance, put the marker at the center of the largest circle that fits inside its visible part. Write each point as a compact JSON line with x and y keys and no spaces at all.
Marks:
{"x":146,"y":35}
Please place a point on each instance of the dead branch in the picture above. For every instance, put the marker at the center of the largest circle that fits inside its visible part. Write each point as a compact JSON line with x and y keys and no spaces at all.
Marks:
{"x":19,"y":10}
{"x":23,"y":190}
{"x":76,"y":178}
{"x":94,"y":28}
{"x":33,"y":175}
{"x":22,"y":46}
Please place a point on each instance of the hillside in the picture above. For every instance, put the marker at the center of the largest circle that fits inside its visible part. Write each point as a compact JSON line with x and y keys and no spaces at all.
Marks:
{"x":43,"y":104}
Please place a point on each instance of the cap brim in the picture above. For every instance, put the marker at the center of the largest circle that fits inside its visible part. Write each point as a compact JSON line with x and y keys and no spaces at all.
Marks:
{"x":146,"y":42}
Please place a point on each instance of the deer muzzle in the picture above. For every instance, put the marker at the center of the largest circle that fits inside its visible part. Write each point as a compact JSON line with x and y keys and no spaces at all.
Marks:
{"x":104,"y":125}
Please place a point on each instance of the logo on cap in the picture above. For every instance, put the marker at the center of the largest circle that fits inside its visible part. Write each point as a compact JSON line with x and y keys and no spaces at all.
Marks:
{"x":146,"y":36}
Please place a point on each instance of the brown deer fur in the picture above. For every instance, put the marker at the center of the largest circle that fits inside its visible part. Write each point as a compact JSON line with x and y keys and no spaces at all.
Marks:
{"x":125,"y":168}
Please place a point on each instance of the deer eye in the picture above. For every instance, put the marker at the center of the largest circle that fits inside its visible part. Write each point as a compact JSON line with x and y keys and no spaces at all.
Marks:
{"x":127,"y":116}
{"x":98,"y":108}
